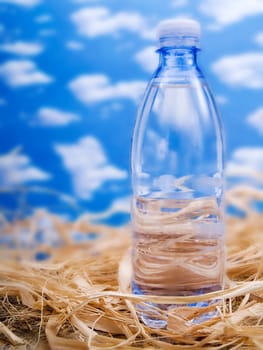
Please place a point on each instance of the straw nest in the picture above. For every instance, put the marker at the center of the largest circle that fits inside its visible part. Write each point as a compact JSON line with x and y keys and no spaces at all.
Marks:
{"x":79,"y":299}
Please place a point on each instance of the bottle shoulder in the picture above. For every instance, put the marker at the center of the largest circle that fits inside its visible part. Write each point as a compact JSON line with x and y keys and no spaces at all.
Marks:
{"x":178,"y":113}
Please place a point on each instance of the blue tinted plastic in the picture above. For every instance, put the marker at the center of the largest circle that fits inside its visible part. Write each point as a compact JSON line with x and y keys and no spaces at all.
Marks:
{"x":178,"y":185}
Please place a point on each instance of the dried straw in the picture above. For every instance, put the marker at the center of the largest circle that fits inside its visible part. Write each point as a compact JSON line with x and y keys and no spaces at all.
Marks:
{"x":80,"y":298}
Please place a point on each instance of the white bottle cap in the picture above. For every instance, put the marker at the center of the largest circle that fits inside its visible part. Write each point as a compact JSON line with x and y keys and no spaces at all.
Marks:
{"x":183,"y":32}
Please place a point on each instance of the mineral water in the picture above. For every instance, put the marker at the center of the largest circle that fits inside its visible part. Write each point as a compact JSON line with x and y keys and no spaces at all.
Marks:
{"x":180,"y":251}
{"x":177,"y":163}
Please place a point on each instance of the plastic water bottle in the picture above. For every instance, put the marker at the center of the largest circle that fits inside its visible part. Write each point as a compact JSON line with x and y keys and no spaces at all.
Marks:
{"x":177,"y":177}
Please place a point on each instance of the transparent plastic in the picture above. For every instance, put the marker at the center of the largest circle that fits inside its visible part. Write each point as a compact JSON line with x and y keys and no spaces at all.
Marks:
{"x":178,"y":184}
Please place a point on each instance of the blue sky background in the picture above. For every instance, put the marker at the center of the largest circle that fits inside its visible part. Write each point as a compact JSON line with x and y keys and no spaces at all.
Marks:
{"x":71,"y":75}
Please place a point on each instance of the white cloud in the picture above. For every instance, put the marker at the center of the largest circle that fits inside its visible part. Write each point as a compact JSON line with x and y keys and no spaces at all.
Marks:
{"x":22,"y":48}
{"x":246,"y":161}
{"x":54,"y":117}
{"x":259,"y":38}
{"x":122,"y":204}
{"x":98,"y":21}
{"x":244,"y":70}
{"x":147,"y":58}
{"x":97,"y":87}
{"x":16,"y":168}
{"x":108,"y":109}
{"x":87,"y":163}
{"x":225,"y":12}
{"x":74,"y":45}
{"x":43,"y":19}
{"x":18,"y":73}
{"x":256,"y":120}
{"x":25,"y":3}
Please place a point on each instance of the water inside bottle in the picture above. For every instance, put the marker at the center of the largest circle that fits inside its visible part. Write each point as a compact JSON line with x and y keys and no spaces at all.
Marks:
{"x":178,"y":250}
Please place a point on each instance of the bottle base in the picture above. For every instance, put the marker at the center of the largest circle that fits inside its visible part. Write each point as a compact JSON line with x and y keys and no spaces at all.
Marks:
{"x":161,"y":316}
{"x":153,"y":322}
{"x":155,"y":319}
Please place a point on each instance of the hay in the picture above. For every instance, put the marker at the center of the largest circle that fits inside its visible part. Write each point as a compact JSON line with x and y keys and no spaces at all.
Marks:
{"x":79,"y":299}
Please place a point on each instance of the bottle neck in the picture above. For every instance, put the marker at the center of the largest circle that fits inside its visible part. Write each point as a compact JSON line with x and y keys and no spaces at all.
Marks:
{"x":184,"y":58}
